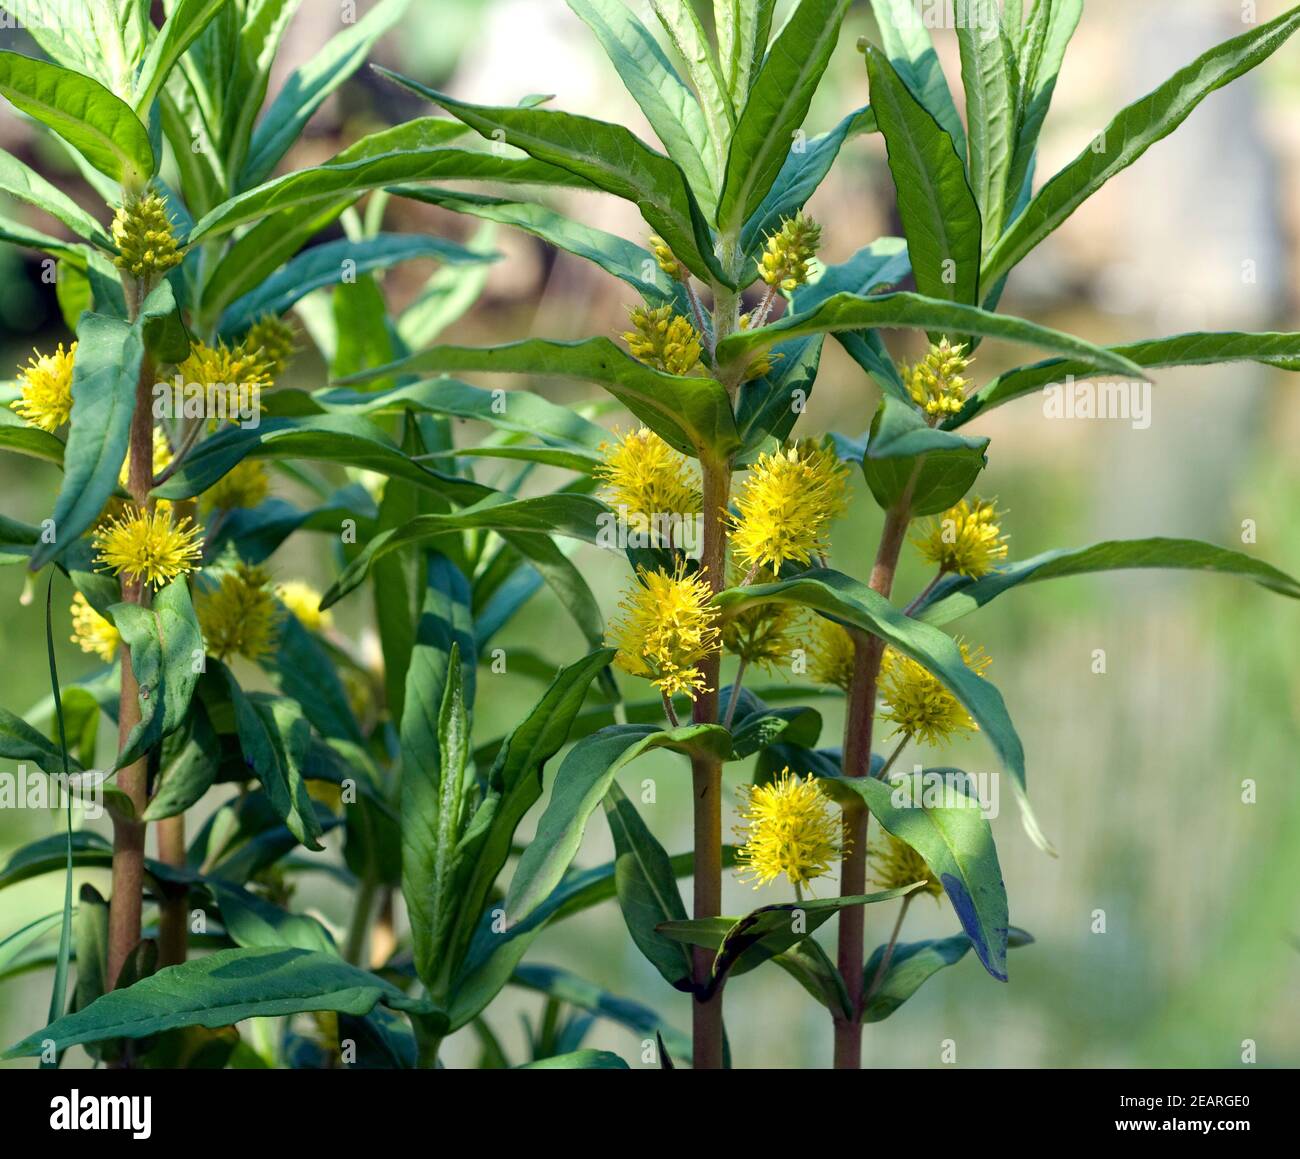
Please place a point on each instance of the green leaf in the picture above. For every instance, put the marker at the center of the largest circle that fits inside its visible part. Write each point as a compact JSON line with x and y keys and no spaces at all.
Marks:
{"x":347,"y":180}
{"x":577,"y":516}
{"x":14,"y":948}
{"x":18,"y":436}
{"x":166,"y":657}
{"x":104,"y":380}
{"x":514,"y":785}
{"x":92,"y":947}
{"x":989,"y":77}
{"x":692,"y":414}
{"x":303,"y":671}
{"x":307,"y":87}
{"x":743,"y":28}
{"x":906,"y":42}
{"x":218,"y":990}
{"x":767,"y":726}
{"x":1134,"y":130}
{"x":905,"y":454}
{"x":686,"y":34}
{"x":746,"y":943}
{"x":1036,"y":90}
{"x":958,"y":596}
{"x":184,"y":25}
{"x":101,"y":127}
{"x":798,"y":180}
{"x":666,"y":100}
{"x":939,"y":212}
{"x":19,"y":741}
{"x":191,"y":771}
{"x":578,"y":1060}
{"x":808,"y":964}
{"x":24,"y":183}
{"x":647,"y":889}
{"x":581,"y":783}
{"x":954,"y":838}
{"x":1201,"y":348}
{"x":274,"y":737}
{"x":912,"y":964}
{"x":253,"y":922}
{"x":434,"y":744}
{"x":326,"y":265}
{"x":606,"y":156}
{"x":629,"y":262}
{"x":854,"y":312}
{"x":837,"y":596}
{"x":777,"y":106}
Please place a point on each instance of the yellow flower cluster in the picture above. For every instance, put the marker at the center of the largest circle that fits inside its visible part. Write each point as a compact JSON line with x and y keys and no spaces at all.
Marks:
{"x":148,"y":547}
{"x":919,"y":706}
{"x":830,"y":654}
{"x":644,"y":474}
{"x":664,"y":340}
{"x":966,"y":539}
{"x":239,"y":617}
{"x":46,"y":385}
{"x":785,"y":506}
{"x":760,"y":364}
{"x":245,"y":485}
{"x":935,"y":383}
{"x":668,"y":628}
{"x":303,"y":602}
{"x":785,"y":258}
{"x":666,"y":259}
{"x":273,"y":338}
{"x":791,"y":829}
{"x":894,"y":864}
{"x":92,"y":632}
{"x":241,"y":370}
{"x":145,"y":238}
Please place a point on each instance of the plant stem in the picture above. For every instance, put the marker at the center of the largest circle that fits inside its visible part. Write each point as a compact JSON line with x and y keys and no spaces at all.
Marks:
{"x":358,"y":927}
{"x":924,"y":594}
{"x":857,"y":763}
{"x":669,"y":711}
{"x":706,"y":779}
{"x":133,"y":780}
{"x":889,"y":764}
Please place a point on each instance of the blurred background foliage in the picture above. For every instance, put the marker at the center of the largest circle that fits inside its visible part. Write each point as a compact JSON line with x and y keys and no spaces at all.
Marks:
{"x":1137,"y":773}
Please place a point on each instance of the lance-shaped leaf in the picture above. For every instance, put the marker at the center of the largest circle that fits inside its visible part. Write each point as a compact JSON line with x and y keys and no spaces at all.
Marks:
{"x":803,"y":171}
{"x":907,"y":310}
{"x":514,"y":785}
{"x":252,"y":921}
{"x":606,"y":156}
{"x":567,"y":514}
{"x":580,"y":785}
{"x":906,"y":455}
{"x":221,"y":989}
{"x":344,"y":179}
{"x":988,"y":72}
{"x":743,"y":28}
{"x":906,"y":42}
{"x":24,"y":183}
{"x":666,"y":100}
{"x":748,"y":942}
{"x":939,"y":212}
{"x":1203,"y":348}
{"x":184,"y":25}
{"x":19,"y":436}
{"x":100,"y":126}
{"x":958,"y":596}
{"x":627,"y":261}
{"x":912,"y":965}
{"x":191,"y":760}
{"x":692,"y":414}
{"x":308,"y":86}
{"x":948,"y":829}
{"x":647,"y":889}
{"x":578,"y":1060}
{"x":323,"y":265}
{"x":1133,"y":131}
{"x":841,"y":598}
{"x":681,"y":22}
{"x":770,"y":406}
{"x":777,"y":106}
{"x":166,"y":658}
{"x":435,"y":760}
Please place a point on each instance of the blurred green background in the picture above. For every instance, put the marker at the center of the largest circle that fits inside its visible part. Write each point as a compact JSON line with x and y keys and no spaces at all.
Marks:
{"x":1137,"y":773}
